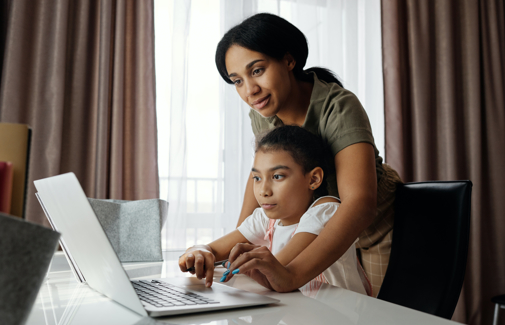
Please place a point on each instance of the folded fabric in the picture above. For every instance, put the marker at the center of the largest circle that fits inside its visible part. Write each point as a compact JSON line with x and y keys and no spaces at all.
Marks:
{"x":133,"y":227}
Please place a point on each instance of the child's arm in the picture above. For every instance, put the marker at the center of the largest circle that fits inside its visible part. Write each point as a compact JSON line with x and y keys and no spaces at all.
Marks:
{"x":292,"y":249}
{"x":300,"y":241}
{"x":295,"y":246}
{"x":202,"y":257}
{"x":221,"y":247}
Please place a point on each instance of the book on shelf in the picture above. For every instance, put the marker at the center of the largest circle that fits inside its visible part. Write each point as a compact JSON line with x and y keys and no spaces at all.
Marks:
{"x":6,"y":174}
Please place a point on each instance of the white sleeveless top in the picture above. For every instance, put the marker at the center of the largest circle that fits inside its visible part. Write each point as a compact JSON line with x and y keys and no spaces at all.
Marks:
{"x":345,"y":272}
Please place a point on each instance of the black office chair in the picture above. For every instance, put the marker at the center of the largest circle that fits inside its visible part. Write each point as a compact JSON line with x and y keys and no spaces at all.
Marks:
{"x":499,"y":303}
{"x":430,"y":246}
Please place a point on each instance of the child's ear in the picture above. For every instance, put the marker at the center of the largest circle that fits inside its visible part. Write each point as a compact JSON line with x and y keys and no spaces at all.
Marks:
{"x":316,"y":178}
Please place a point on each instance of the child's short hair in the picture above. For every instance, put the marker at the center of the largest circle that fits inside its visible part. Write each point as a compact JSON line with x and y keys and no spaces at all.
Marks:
{"x":306,"y":148}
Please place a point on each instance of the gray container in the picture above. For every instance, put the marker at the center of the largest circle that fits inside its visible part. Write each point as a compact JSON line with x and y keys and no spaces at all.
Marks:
{"x":133,"y":227}
{"x":26,"y":250}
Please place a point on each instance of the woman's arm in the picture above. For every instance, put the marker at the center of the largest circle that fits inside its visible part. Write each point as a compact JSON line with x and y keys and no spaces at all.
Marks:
{"x":357,"y":184}
{"x":250,"y":202}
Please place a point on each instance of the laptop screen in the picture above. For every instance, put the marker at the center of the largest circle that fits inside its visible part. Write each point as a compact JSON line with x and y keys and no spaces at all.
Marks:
{"x":67,"y":205}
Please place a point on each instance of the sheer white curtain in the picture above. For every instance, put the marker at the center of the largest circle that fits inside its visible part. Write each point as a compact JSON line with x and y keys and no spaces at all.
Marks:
{"x":205,"y":137}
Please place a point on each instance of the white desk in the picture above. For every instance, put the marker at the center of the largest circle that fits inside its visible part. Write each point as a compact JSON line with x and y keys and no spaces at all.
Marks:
{"x":62,"y":300}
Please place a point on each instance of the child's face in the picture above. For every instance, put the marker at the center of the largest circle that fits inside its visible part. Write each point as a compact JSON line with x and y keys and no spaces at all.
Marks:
{"x":280,"y":186}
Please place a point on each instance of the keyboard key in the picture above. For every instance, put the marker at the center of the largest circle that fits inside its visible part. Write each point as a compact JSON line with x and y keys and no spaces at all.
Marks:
{"x":162,"y":294}
{"x":178,"y":303}
{"x":192,"y":299}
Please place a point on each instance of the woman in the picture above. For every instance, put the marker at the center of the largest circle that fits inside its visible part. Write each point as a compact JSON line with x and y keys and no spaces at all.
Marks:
{"x":264,"y":58}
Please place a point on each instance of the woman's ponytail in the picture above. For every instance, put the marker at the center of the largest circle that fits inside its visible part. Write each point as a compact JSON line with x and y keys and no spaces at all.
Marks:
{"x":325,"y":75}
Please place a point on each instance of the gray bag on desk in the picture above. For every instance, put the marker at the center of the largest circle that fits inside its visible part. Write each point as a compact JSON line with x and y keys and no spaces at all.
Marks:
{"x":26,"y":250}
{"x":133,"y":227}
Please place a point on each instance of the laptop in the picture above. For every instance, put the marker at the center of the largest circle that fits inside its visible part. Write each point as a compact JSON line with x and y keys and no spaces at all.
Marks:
{"x":94,"y":260}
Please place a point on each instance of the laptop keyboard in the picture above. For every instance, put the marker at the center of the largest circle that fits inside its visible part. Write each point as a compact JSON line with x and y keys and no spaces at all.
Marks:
{"x":163,"y":294}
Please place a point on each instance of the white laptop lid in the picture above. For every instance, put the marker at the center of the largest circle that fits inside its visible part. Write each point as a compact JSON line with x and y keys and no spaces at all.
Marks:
{"x":67,"y":206}
{"x":72,"y":214}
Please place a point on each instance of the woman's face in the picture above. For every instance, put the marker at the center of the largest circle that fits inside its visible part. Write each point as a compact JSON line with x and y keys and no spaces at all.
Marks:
{"x":261,"y":81}
{"x":281,"y":187}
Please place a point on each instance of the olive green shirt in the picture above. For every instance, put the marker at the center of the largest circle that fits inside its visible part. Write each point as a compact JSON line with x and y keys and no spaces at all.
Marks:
{"x":334,"y":114}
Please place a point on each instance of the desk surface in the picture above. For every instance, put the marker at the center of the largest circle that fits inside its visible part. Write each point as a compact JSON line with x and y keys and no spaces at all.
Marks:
{"x":62,"y":300}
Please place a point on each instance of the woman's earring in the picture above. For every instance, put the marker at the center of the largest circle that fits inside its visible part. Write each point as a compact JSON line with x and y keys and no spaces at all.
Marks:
{"x":312,"y":187}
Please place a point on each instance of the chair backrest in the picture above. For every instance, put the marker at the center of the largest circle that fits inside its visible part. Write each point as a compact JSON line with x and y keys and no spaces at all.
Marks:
{"x":430,"y":246}
{"x":15,"y":142}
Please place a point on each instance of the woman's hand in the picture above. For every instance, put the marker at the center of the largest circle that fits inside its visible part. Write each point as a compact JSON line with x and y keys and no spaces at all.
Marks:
{"x":261,"y":265}
{"x":201,"y":258}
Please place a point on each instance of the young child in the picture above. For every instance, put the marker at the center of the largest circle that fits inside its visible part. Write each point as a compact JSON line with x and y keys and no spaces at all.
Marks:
{"x":290,"y":187}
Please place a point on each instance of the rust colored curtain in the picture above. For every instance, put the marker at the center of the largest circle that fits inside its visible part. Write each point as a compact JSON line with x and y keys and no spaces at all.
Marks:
{"x":444,"y":83}
{"x":81,"y":74}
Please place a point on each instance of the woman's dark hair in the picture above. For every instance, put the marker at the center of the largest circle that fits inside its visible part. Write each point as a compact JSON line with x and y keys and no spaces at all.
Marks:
{"x":274,"y":36}
{"x":306,"y":148}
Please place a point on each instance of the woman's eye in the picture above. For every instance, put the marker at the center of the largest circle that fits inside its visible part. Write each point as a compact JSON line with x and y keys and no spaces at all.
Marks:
{"x":277,"y":176}
{"x":237,"y":82}
{"x":256,"y":178}
{"x":257,"y":71}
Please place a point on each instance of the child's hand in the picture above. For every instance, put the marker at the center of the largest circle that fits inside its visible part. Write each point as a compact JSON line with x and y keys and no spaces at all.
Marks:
{"x":201,"y":258}
{"x":261,"y":265}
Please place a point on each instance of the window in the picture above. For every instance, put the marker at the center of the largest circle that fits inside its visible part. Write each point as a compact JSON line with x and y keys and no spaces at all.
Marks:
{"x":204,"y":134}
